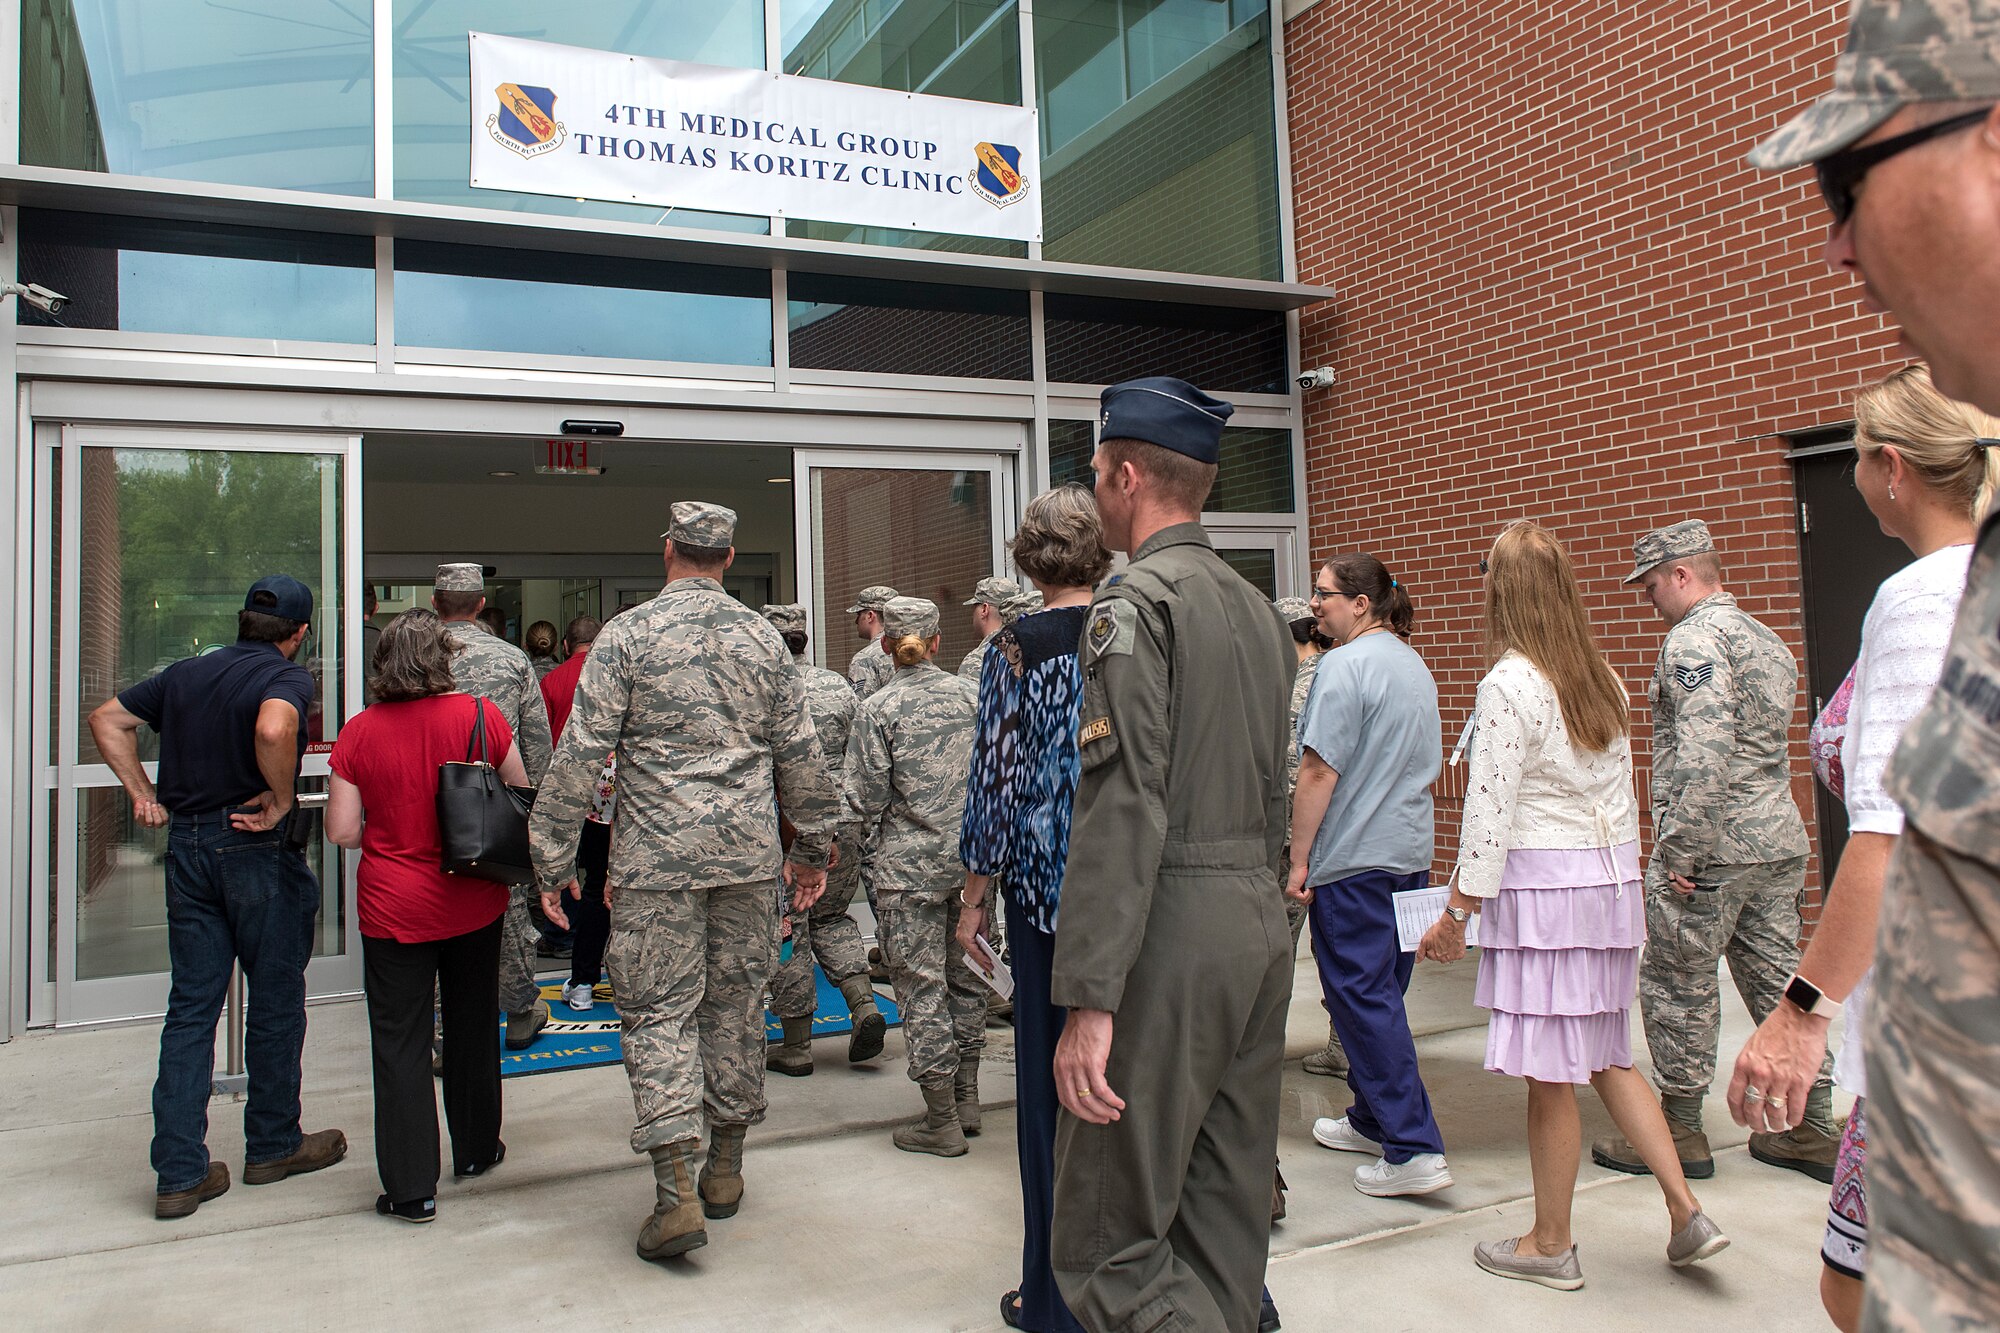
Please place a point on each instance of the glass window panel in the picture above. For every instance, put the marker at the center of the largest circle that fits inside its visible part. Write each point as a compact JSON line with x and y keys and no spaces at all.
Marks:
{"x":275,"y":93}
{"x":137,"y":274}
{"x":450,"y":296}
{"x":951,"y":48}
{"x":1071,"y":443}
{"x":1255,"y":476}
{"x":171,"y":540}
{"x":925,"y":532}
{"x":434,"y":93}
{"x":1258,"y":568}
{"x":1159,"y":135}
{"x":907,"y":328}
{"x":1094,"y":341}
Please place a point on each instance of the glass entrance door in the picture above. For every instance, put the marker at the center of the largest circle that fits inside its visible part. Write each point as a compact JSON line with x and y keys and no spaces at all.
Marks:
{"x":157,"y":534}
{"x":926,"y":524}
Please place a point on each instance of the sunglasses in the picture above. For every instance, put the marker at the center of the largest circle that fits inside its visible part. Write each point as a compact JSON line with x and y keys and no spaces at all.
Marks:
{"x":1840,"y":174}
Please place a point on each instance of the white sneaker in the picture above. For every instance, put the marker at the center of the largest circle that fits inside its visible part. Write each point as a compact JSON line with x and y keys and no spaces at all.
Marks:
{"x":579,"y":997}
{"x":1341,"y":1136}
{"x":1426,"y":1173}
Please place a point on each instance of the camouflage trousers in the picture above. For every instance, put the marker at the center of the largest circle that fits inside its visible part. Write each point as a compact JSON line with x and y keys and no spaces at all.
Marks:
{"x":826,"y":934}
{"x":943,"y":1000}
{"x":1750,"y":917}
{"x":1933,"y":1048}
{"x":518,"y":991}
{"x":688,"y":968}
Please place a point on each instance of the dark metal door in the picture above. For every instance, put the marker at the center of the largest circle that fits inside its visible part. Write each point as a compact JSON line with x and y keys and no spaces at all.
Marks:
{"x":1844,"y":556}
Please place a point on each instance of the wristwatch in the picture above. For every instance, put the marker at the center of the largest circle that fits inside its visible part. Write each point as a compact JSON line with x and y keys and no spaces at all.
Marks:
{"x":1458,"y":914}
{"x":1810,"y":998}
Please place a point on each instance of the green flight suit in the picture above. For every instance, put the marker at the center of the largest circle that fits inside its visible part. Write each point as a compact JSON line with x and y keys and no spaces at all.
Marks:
{"x":1173,"y":918}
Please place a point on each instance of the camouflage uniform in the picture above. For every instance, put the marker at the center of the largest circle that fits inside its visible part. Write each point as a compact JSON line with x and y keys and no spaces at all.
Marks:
{"x":500,"y":672}
{"x":1000,"y":593}
{"x":826,"y":934}
{"x":1933,"y":1015}
{"x":907,"y":758}
{"x":698,"y":698}
{"x":1933,"y":1023}
{"x":1723,"y":816}
{"x":870,"y":668}
{"x":1290,"y":609}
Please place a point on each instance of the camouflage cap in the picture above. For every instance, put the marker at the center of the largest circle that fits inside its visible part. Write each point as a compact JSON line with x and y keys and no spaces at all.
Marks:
{"x":1021,"y":604}
{"x":459,"y":578}
{"x":871,"y":598}
{"x":1293,"y":608}
{"x":910,"y":615}
{"x":1686,"y":538}
{"x":1897,"y":52}
{"x":994,"y":590}
{"x":785,"y":616}
{"x":699,"y":523}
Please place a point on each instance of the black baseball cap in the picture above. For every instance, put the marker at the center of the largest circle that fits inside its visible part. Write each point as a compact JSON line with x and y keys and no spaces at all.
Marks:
{"x":280,"y":595}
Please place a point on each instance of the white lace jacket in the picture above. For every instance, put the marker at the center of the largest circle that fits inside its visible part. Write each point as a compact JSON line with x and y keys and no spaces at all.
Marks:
{"x":1528,"y":786}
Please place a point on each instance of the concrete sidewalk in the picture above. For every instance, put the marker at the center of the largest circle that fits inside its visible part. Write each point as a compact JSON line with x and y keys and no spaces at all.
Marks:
{"x":838,"y":1230}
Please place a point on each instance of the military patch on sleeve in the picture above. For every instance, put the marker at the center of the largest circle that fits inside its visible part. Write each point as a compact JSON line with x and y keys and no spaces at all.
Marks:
{"x":1094,"y":731}
{"x":1113,"y":625}
{"x":1694,"y":677}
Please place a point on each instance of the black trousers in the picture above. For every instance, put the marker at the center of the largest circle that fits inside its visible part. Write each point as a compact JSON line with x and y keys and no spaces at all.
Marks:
{"x":589,"y":918}
{"x":398,"y":979}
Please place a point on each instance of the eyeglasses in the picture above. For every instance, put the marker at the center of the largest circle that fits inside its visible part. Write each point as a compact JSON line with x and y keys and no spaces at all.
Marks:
{"x":1840,"y":173}
{"x":1320,"y":594}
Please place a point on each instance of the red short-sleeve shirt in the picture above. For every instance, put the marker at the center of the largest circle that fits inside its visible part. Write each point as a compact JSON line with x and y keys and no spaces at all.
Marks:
{"x":391,"y":751}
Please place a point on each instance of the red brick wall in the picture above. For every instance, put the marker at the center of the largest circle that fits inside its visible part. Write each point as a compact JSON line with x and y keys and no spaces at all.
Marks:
{"x":1564,"y":297}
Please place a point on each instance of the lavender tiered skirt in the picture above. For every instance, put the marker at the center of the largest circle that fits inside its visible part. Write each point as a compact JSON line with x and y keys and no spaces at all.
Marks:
{"x":1559,"y":962}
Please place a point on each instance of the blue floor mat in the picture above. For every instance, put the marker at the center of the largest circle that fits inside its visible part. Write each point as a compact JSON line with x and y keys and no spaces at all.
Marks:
{"x":575,"y":1040}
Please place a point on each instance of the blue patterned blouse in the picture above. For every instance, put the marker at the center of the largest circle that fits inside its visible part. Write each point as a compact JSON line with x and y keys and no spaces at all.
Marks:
{"x":1024,"y":761}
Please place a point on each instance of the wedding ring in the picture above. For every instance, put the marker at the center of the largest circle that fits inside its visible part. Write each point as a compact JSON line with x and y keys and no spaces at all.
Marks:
{"x":1084,"y":1093}
{"x":1752,"y":1094}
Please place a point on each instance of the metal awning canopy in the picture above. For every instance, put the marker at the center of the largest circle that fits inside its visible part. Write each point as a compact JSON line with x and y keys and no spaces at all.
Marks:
{"x":178,"y":201}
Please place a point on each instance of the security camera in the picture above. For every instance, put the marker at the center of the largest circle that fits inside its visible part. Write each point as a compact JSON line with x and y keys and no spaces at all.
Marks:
{"x":36,"y":295}
{"x":1322,"y":378}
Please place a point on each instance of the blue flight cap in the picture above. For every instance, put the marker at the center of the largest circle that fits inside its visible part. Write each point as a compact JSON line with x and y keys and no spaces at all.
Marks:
{"x":282,"y":596}
{"x":1164,"y":411}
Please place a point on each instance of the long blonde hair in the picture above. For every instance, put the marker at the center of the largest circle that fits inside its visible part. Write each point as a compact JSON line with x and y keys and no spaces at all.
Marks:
{"x":1533,"y":608}
{"x":1945,"y":443}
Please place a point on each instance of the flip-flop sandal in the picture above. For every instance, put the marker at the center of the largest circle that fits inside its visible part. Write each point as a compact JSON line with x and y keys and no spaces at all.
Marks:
{"x":1010,"y":1309}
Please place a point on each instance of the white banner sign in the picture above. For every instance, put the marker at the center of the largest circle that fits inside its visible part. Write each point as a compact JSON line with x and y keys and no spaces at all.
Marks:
{"x":565,"y":120}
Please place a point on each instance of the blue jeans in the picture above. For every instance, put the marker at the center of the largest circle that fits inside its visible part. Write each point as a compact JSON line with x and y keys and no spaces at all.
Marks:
{"x":232,"y":896}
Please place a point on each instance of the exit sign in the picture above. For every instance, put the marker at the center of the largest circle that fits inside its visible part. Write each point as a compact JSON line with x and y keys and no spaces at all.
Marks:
{"x":567,"y":458}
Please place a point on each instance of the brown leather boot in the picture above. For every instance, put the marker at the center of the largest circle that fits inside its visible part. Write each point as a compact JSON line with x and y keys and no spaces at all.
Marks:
{"x":965,"y":1091}
{"x":315,"y":1152}
{"x":1802,"y":1149}
{"x":722,"y":1178}
{"x":795,"y":1056}
{"x":675,"y":1226}
{"x":182,"y":1203}
{"x":869,"y":1026}
{"x":938,"y":1133}
{"x":1697,"y":1161}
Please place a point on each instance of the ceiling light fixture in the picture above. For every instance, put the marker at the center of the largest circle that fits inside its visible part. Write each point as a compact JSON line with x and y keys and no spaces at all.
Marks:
{"x":779,"y":481}
{"x":503,"y":473}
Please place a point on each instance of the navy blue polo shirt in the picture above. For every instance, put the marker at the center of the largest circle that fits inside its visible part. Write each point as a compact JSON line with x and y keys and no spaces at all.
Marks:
{"x":205,"y":709}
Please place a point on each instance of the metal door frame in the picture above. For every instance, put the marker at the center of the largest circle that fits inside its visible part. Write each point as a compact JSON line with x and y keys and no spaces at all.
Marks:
{"x":143,"y":996}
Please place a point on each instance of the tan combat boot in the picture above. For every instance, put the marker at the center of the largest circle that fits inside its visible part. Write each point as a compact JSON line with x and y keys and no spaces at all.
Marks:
{"x":1697,"y":1161}
{"x":965,"y":1091}
{"x":722,"y":1178}
{"x":1331,"y":1062}
{"x":1802,"y":1148}
{"x":869,"y":1025}
{"x":675,"y":1226}
{"x":938,"y":1133}
{"x":795,"y":1056}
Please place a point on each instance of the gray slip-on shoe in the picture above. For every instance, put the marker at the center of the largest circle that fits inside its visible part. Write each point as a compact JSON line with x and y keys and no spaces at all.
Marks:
{"x":1700,"y":1239}
{"x":1502,"y":1258}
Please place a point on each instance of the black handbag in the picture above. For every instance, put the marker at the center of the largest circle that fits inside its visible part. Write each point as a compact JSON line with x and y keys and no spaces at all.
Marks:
{"x":483,"y":822}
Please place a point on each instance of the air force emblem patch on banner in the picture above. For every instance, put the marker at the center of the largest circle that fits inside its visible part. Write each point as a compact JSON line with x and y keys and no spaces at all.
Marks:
{"x":525,"y":122}
{"x":997,"y":177}
{"x":1694,"y":677}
